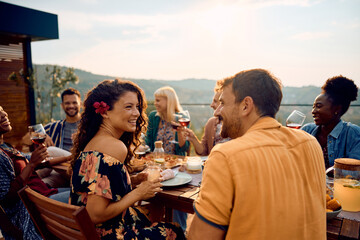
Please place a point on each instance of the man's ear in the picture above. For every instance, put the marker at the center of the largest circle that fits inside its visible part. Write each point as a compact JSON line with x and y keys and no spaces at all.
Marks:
{"x":247,"y":105}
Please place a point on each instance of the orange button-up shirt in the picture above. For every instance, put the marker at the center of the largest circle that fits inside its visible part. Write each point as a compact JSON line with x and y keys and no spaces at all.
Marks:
{"x":267,"y":184}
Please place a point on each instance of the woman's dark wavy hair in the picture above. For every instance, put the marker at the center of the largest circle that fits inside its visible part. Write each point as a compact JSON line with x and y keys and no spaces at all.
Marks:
{"x":341,"y":91}
{"x":108,"y":91}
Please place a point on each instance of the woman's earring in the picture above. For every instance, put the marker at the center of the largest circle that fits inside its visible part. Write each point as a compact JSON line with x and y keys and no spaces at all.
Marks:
{"x":336,"y":113}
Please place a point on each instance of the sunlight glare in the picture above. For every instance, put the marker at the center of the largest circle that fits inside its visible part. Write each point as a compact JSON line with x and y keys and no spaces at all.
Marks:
{"x":218,"y":21}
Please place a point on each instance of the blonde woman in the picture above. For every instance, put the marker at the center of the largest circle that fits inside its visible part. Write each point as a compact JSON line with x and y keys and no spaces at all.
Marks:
{"x":160,"y":128}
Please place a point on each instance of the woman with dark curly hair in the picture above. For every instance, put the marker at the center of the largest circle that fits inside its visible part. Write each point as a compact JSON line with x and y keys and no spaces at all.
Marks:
{"x":337,"y":138}
{"x":107,"y":137}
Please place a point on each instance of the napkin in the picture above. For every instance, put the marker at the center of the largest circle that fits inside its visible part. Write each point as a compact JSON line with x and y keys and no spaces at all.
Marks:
{"x":168,"y":174}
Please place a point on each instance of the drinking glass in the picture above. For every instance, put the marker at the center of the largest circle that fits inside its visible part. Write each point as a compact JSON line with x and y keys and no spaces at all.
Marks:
{"x":37,"y":134}
{"x":193,"y":164}
{"x":184,"y":120}
{"x":139,"y":154}
{"x":153,"y":171}
{"x":295,"y":119}
{"x":175,"y":124}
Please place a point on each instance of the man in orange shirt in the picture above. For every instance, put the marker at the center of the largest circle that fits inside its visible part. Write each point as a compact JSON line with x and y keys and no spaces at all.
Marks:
{"x":269,"y":181}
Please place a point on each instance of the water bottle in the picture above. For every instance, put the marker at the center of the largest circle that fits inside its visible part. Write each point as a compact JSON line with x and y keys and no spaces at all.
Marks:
{"x":159,"y":153}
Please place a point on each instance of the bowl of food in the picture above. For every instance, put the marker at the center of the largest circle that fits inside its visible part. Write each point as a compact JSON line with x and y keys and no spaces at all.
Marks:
{"x":333,"y":207}
{"x":332,"y":214}
{"x":138,"y":165}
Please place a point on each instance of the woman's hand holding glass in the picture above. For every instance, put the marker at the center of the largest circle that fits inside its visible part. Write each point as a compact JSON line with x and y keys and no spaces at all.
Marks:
{"x":38,"y":155}
{"x":138,"y":178}
{"x":190,"y":134}
{"x":148,"y":189}
{"x":37,"y":134}
{"x":182,"y":120}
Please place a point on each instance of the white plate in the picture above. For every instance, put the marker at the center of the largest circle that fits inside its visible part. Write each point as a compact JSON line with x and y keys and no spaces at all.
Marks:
{"x":180,"y":179}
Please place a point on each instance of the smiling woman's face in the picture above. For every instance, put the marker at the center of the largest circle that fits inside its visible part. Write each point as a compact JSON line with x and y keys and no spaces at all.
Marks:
{"x":125,"y":112}
{"x":161,"y":104}
{"x":4,"y":122}
{"x":323,"y":110}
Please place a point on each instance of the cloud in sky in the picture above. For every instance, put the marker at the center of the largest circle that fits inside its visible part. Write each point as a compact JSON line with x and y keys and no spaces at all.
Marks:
{"x":212,"y":39}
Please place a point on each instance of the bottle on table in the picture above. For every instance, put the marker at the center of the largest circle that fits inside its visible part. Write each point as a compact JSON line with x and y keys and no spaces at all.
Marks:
{"x":159,"y":154}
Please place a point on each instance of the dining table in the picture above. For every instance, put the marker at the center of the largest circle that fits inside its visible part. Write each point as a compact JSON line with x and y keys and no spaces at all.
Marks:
{"x":61,"y":168}
{"x":182,"y":198}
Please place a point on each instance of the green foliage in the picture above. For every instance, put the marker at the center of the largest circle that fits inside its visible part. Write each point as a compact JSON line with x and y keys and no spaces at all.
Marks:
{"x":48,"y":95}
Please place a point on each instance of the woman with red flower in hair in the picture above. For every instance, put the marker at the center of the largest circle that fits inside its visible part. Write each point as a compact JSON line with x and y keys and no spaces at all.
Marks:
{"x":108,"y":134}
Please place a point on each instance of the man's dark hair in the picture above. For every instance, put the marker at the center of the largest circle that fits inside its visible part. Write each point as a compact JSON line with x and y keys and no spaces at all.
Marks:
{"x":70,"y":91}
{"x":261,"y":86}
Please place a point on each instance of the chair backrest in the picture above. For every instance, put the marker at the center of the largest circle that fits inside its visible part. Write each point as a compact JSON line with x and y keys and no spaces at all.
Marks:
{"x":8,"y":227}
{"x":57,"y":220}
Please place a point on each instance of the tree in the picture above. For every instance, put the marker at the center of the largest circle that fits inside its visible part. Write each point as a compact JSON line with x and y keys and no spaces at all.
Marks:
{"x":46,"y":94}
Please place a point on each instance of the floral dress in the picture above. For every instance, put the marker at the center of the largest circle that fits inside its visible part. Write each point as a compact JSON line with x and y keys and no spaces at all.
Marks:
{"x":166,"y":134}
{"x":100,"y":174}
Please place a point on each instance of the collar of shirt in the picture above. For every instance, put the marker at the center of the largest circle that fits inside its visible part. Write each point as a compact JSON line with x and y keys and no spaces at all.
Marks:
{"x":337,"y":129}
{"x":264,"y":123}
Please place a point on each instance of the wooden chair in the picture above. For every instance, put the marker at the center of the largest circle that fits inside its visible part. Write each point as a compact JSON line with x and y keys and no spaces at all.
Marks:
{"x":57,"y":220}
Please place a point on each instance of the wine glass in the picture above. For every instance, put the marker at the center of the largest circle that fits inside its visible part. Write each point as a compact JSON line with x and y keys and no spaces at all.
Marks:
{"x":175,"y":124}
{"x":295,"y":119}
{"x":184,"y":120}
{"x":37,"y":134}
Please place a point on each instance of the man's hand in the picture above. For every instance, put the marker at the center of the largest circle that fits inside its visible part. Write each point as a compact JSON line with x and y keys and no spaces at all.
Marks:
{"x":48,"y":141}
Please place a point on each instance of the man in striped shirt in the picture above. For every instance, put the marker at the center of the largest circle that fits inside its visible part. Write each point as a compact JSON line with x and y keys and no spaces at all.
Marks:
{"x":60,"y":131}
{"x":60,"y":135}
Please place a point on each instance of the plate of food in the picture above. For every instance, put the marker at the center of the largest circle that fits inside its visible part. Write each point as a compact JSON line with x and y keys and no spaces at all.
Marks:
{"x":169,"y":161}
{"x":180,"y":179}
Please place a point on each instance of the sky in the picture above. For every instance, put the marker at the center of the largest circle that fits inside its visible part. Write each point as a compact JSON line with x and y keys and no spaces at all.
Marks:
{"x":302,"y":42}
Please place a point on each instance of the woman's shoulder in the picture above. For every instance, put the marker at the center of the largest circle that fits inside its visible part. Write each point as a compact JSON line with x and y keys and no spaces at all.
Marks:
{"x":308,"y":127}
{"x":116,"y":149}
{"x":152,"y":114}
{"x":111,"y":147}
{"x":352,"y":127}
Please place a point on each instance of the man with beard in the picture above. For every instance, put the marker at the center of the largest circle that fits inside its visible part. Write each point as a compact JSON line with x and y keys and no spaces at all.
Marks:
{"x":61,"y":131}
{"x":268,"y":182}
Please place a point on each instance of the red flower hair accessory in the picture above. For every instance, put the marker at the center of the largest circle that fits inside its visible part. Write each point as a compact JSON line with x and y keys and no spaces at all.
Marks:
{"x":101,"y":107}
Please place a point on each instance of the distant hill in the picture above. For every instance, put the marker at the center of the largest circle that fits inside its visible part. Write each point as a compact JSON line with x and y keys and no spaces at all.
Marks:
{"x":198,"y":91}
